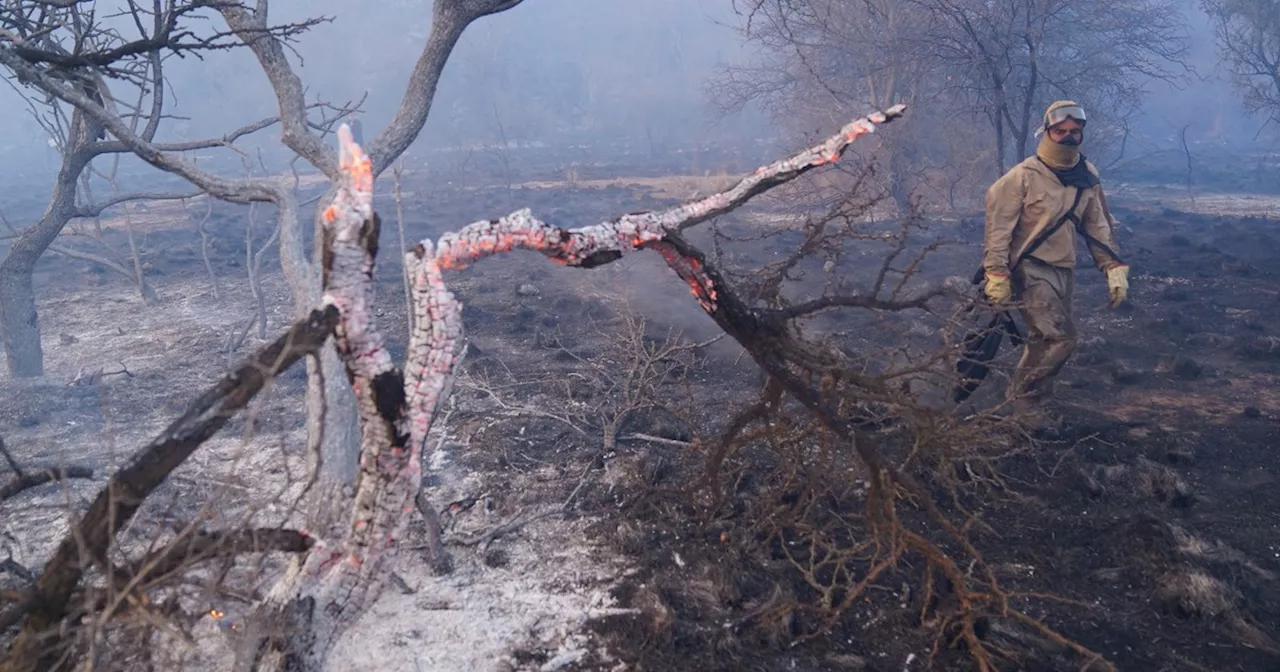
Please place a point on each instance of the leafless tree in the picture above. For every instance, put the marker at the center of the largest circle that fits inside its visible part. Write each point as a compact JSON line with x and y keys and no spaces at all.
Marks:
{"x":969,"y":63}
{"x":1248,"y":39}
{"x":1008,"y":59}
{"x":72,"y":45}
{"x":821,"y":57}
{"x":331,"y":411}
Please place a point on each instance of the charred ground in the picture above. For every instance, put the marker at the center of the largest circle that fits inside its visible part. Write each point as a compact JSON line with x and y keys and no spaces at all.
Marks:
{"x":1148,"y":531}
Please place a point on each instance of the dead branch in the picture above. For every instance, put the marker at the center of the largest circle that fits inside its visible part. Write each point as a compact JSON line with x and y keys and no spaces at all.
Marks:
{"x":87,"y":376}
{"x":1186,"y":150}
{"x":856,"y":301}
{"x":239,"y":191}
{"x":204,"y":245}
{"x":764,"y":336}
{"x":91,"y":210}
{"x":236,"y":337}
{"x":73,"y":253}
{"x":254,"y":260}
{"x":38,"y":643}
{"x":32,"y":33}
{"x":8,"y":458}
{"x":159,"y":565}
{"x":193,"y":548}
{"x":36,"y":477}
{"x":485,"y":537}
{"x":655,"y":439}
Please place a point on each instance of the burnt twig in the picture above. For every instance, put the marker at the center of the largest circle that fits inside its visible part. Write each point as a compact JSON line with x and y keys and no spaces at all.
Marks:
{"x":31,"y":479}
{"x":8,"y":457}
{"x":192,"y":548}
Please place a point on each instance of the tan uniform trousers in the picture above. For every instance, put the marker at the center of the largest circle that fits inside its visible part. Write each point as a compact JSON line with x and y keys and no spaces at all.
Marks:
{"x":1046,"y":294}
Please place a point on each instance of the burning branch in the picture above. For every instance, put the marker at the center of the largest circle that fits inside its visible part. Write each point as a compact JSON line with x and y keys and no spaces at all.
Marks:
{"x":592,"y":246}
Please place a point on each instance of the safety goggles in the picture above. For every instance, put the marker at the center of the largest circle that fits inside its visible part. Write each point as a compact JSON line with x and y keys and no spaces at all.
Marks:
{"x":1064,"y":113}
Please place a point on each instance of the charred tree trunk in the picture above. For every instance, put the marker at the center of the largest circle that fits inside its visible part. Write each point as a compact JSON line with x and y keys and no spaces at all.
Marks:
{"x":19,"y":323}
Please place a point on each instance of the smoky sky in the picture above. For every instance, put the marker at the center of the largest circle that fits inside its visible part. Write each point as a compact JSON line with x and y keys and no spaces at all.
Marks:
{"x":547,"y":71}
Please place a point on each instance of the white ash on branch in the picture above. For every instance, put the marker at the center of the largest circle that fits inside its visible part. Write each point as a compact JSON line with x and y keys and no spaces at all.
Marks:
{"x":345,"y":576}
{"x":592,"y":246}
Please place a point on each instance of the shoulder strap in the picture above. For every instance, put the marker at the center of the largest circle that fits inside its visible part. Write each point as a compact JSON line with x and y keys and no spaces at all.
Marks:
{"x":1039,"y":240}
{"x":1094,"y":242}
{"x":1070,"y":215}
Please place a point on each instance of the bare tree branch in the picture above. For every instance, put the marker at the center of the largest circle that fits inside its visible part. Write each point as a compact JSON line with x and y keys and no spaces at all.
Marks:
{"x":199,"y":546}
{"x":32,"y":35}
{"x":96,"y":209}
{"x":33,"y":478}
{"x":449,"y":19}
{"x":251,"y":27}
{"x":1248,"y":41}
{"x":873,"y":302}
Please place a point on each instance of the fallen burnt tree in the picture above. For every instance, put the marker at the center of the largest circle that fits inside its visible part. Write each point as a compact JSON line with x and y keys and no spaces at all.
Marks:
{"x":340,"y":571}
{"x":343,"y":572}
{"x":324,"y":593}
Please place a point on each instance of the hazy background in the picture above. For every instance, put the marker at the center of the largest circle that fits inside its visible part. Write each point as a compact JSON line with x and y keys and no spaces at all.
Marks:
{"x":1210,"y":106}
{"x":552,"y":72}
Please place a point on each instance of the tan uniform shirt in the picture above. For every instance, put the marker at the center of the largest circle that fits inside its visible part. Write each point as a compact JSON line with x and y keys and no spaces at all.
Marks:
{"x":1029,"y":199}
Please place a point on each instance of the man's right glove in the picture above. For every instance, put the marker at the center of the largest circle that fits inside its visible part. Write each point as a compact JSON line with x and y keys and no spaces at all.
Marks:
{"x":999,"y":287}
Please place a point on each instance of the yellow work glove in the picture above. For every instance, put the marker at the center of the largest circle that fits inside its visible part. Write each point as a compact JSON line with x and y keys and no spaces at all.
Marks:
{"x":999,"y":287}
{"x":1118,"y":283}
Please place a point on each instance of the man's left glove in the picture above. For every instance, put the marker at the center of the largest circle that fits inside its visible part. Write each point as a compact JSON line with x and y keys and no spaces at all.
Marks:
{"x":1118,"y":283}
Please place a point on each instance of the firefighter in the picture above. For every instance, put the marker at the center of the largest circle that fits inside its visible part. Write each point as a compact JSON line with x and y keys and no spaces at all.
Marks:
{"x":1034,"y":214}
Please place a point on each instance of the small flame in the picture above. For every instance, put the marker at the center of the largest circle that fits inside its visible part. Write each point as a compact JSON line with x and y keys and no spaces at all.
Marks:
{"x":353,"y":161}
